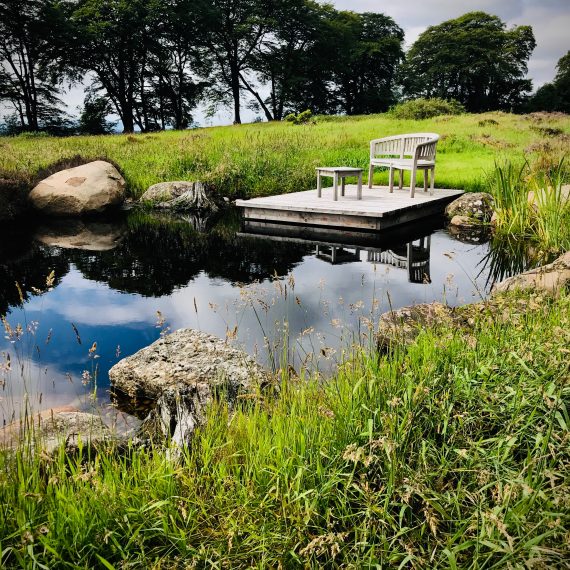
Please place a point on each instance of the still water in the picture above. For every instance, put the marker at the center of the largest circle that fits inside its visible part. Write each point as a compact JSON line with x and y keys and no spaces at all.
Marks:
{"x":272,"y":290}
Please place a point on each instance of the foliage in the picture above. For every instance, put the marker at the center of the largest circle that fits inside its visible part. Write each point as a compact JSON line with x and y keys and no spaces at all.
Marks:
{"x":139,"y":58}
{"x":272,"y":158}
{"x":366,"y":60}
{"x":300,"y":119}
{"x":93,"y":118}
{"x":233,"y":30}
{"x":426,"y":108}
{"x":454,"y":453}
{"x":473,"y":59}
{"x":533,"y":205}
{"x":554,"y":96}
{"x":34,"y":36}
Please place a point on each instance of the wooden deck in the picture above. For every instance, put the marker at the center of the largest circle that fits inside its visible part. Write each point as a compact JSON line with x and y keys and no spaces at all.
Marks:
{"x":378,"y":209}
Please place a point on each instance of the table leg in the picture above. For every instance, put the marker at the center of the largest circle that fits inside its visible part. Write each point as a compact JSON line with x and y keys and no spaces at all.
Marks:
{"x":342,"y":185}
{"x":359,"y":189}
{"x":335,"y":184}
{"x":319,"y":185}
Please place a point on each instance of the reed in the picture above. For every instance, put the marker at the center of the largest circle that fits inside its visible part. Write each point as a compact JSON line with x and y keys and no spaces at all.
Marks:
{"x":533,"y":204}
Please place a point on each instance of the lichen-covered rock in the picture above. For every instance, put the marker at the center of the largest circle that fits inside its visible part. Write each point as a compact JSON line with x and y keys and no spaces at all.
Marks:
{"x":474,"y":206}
{"x":182,"y":373}
{"x":180,"y":196}
{"x":87,"y":189}
{"x":164,"y":191}
{"x":551,"y":278}
{"x":402,"y":326}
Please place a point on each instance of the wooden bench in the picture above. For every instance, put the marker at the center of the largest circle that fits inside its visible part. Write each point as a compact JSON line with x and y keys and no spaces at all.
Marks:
{"x":411,"y":152}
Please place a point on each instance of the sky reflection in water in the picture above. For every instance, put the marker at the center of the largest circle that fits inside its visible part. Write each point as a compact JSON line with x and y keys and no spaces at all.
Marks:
{"x":220,"y":281}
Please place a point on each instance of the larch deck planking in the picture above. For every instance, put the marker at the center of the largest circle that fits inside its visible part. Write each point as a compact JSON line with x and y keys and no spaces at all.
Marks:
{"x":378,"y":209}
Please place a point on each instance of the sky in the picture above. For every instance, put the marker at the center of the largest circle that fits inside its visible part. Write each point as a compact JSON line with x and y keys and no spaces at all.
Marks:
{"x":550,"y":20}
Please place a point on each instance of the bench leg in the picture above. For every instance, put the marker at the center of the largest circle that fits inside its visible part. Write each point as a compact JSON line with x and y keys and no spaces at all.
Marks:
{"x":400,"y":179}
{"x":391,"y":180}
{"x":370,"y":175}
{"x":413,"y":183}
{"x":335,"y":185}
{"x":432,"y":181}
{"x":342,"y":185}
{"x":359,"y":188}
{"x":426,"y":176}
{"x":319,"y":185}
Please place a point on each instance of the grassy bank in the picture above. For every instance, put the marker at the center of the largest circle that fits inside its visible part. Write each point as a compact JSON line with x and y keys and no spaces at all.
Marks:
{"x":454,"y":453}
{"x":261,"y":159}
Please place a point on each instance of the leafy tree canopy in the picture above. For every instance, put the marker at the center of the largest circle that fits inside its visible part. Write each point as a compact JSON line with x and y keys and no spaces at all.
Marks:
{"x":473,"y":59}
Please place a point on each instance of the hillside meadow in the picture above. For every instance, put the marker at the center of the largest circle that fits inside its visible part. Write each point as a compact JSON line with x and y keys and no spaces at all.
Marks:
{"x":268,"y":158}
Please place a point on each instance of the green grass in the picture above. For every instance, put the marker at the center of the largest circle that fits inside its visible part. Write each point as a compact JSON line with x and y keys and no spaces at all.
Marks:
{"x":260,"y":159}
{"x":454,"y":453}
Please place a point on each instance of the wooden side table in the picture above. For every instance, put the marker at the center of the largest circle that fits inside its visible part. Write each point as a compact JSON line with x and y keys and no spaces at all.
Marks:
{"x":339,"y":172}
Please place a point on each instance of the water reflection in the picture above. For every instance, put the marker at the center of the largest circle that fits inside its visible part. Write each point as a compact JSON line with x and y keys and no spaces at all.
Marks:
{"x":273,"y":290}
{"x":338,"y":247}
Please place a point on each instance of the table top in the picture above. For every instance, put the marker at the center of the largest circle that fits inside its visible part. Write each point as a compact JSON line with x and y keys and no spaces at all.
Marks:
{"x":338,"y":169}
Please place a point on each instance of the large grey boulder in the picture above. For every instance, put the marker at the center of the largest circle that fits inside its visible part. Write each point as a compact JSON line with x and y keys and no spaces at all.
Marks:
{"x":180,"y":196}
{"x":87,"y":189}
{"x":183,"y":372}
{"x":471,"y":208}
{"x":551,"y":278}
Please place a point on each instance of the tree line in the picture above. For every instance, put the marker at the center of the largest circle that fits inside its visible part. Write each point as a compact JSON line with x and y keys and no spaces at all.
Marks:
{"x":150,"y":62}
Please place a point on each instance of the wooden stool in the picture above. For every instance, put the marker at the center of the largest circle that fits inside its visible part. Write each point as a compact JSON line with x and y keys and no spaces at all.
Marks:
{"x":336,"y":172}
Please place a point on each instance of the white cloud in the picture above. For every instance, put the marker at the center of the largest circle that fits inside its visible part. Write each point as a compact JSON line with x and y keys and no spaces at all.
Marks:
{"x":550,"y":20}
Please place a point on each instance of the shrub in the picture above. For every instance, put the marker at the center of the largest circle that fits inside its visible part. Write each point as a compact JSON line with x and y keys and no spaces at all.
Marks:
{"x":301,"y":119}
{"x":426,"y":108}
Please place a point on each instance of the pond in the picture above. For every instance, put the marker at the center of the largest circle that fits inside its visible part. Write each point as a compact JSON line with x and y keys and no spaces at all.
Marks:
{"x":299,"y":295}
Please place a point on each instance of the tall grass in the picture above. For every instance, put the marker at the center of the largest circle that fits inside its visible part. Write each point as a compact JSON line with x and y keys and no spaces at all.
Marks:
{"x":261,"y":159}
{"x":453,"y":453}
{"x":532,"y":203}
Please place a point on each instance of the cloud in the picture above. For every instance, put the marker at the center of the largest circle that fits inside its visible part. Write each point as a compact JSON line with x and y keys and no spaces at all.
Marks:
{"x":550,"y":20}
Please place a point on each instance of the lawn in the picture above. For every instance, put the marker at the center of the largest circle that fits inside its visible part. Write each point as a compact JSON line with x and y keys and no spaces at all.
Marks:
{"x":269,"y":158}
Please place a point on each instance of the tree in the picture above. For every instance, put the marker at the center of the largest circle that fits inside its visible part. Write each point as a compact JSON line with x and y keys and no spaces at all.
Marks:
{"x":33,"y":37}
{"x":473,"y":59}
{"x":554,"y":96}
{"x":93,"y":118}
{"x":281,"y":61}
{"x":113,"y":38}
{"x":367,"y":61}
{"x":175,"y":63}
{"x":562,"y":83}
{"x":232,"y":32}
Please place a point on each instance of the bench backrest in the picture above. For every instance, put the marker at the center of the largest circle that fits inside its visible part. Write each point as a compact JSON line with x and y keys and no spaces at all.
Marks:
{"x":416,"y":145}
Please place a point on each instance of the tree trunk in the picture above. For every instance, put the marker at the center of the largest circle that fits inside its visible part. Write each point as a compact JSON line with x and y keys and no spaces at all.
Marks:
{"x":236,"y":95}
